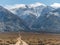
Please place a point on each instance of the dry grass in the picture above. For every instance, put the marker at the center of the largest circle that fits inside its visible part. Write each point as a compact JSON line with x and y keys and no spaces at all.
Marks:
{"x":8,"y":38}
{"x":41,"y":39}
{"x":30,"y":38}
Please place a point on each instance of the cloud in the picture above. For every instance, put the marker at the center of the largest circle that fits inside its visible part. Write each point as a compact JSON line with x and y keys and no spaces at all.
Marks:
{"x":15,"y":6}
{"x":55,"y":5}
{"x":23,"y":5}
{"x":37,"y":4}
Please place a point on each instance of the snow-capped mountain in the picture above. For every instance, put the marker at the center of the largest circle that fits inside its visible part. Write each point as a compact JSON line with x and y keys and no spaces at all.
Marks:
{"x":10,"y":22}
{"x":29,"y":13}
{"x":39,"y":17}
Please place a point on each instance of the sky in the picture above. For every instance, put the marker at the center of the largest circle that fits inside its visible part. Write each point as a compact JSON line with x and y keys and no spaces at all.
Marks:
{"x":12,"y":2}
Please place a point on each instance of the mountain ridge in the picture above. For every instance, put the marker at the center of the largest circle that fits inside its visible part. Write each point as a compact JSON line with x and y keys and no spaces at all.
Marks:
{"x":10,"y":22}
{"x":36,"y":19}
{"x":46,"y":18}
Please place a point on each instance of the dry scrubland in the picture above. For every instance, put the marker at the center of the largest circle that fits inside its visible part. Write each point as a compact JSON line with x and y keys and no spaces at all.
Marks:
{"x":41,"y":39}
{"x":8,"y":38}
{"x":30,"y":38}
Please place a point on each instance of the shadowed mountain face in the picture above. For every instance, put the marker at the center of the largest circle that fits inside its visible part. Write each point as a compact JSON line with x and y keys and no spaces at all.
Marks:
{"x":10,"y":22}
{"x":40,"y":18}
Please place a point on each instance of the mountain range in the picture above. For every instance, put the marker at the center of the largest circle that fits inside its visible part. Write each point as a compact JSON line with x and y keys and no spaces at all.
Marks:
{"x":33,"y":18}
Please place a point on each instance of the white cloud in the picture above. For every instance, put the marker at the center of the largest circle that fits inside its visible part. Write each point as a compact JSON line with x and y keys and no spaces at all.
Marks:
{"x":37,"y":4}
{"x":23,"y":5}
{"x":55,"y":5}
{"x":15,"y":6}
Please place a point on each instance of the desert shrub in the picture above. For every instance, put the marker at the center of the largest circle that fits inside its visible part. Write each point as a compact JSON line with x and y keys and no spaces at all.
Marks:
{"x":40,"y":43}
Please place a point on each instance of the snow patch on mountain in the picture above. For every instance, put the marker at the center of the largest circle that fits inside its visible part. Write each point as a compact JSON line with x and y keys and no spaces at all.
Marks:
{"x":55,"y":5}
{"x":55,"y":14}
{"x":36,"y":4}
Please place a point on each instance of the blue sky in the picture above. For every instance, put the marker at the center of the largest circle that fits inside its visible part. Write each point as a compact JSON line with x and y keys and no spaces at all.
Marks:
{"x":12,"y":2}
